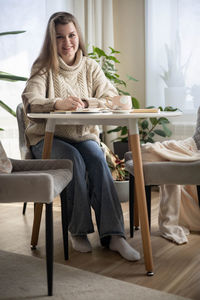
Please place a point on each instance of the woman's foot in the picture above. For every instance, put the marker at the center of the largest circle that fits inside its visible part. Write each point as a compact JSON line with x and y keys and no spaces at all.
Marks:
{"x":81,"y":243}
{"x":120,"y":245}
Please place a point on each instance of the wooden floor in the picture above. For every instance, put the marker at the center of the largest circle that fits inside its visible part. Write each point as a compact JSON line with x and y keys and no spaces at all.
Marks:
{"x":177,"y":268}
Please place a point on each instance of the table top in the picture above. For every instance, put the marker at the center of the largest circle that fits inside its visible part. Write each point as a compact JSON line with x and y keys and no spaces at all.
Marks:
{"x":99,"y":118}
{"x":101,"y":115}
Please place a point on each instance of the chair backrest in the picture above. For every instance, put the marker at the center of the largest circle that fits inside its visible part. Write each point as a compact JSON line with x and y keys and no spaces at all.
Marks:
{"x":23,"y":143}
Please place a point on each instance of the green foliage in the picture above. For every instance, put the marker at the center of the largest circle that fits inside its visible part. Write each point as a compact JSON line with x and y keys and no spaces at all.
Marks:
{"x":7,"y":108}
{"x":11,"y":32}
{"x":10,"y":77}
{"x":108,"y":64}
{"x":148,"y":128}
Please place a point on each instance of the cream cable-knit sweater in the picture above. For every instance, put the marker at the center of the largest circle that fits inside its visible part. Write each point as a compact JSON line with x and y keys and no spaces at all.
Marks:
{"x":85,"y":79}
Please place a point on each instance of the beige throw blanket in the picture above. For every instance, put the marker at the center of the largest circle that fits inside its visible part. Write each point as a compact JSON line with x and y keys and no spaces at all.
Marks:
{"x":179,"y":211}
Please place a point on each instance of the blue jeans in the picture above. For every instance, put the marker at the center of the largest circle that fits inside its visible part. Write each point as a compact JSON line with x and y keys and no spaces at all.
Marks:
{"x":92,"y":186}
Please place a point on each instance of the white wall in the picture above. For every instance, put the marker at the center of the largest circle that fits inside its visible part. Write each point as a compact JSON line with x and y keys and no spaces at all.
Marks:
{"x":129,"y":40}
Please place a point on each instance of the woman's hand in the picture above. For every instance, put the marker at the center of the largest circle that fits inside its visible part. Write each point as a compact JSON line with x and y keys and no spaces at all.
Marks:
{"x":70,"y":103}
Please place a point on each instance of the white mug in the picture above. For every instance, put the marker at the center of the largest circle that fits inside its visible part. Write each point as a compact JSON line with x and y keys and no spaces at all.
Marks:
{"x":121,"y":102}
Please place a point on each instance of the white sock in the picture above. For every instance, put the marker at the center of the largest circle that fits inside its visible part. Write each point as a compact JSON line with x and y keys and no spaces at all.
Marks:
{"x":119,"y":244}
{"x":81,"y":243}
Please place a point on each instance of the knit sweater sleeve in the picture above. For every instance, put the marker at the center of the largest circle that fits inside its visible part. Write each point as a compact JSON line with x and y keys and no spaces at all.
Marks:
{"x":36,"y":94}
{"x":101,"y":89}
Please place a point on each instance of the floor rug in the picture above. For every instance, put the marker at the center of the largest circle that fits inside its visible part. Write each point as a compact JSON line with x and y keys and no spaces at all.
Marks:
{"x":24,"y":277}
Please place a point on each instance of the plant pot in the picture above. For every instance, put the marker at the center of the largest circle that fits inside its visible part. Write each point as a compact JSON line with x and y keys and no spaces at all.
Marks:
{"x":122,"y":188}
{"x":120,"y":148}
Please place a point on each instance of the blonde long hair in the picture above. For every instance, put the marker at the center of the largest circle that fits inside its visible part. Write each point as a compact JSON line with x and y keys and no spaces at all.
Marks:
{"x":48,"y":58}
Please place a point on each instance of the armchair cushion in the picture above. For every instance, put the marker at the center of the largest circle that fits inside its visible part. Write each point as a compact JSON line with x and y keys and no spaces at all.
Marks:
{"x":35,"y":180}
{"x":20,"y":187}
{"x":5,"y":163}
{"x":167,"y":172}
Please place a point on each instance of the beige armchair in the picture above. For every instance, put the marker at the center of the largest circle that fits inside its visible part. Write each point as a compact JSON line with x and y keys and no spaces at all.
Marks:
{"x":158,"y":173}
{"x":38,"y":181}
{"x":25,"y":151}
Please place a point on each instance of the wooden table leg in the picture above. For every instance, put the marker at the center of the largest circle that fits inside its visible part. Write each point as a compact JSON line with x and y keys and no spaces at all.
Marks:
{"x":48,"y":140}
{"x":141,"y":197}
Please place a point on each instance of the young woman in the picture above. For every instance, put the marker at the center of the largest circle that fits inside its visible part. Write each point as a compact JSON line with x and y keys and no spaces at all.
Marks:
{"x":63,"y":77}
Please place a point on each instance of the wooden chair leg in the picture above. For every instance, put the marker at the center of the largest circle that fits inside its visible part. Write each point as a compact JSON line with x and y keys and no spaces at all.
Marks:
{"x":49,"y":247}
{"x":63,"y":197}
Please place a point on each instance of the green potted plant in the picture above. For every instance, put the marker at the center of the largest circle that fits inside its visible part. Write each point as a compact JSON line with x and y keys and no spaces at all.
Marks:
{"x":148,"y":128}
{"x":119,"y":174}
{"x":108,"y":63}
{"x":9,"y":77}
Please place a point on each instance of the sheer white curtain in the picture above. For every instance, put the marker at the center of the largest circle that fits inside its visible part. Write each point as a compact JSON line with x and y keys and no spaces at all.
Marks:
{"x":172,"y":30}
{"x":96,"y":20}
{"x":18,"y":52}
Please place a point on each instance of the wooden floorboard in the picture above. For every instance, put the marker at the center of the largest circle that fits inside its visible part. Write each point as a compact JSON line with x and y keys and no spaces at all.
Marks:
{"x":177,"y":268}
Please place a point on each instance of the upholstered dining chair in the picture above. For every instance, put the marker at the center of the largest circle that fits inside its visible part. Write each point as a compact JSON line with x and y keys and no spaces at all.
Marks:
{"x":23,"y":143}
{"x":25,"y":151}
{"x":158,"y":173}
{"x":38,"y":181}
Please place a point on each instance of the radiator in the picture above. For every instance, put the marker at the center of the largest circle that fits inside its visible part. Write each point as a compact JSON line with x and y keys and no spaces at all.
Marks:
{"x":10,"y":141}
{"x":182,"y":127}
{"x":181,"y":131}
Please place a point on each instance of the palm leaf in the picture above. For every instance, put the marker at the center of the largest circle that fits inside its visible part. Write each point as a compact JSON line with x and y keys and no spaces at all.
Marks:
{"x":10,"y":77}
{"x":7,"y":108}
{"x":12,"y":32}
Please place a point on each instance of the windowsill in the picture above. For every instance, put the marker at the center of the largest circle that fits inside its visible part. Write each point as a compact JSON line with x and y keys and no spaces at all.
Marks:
{"x":188,"y":116}
{"x":9,"y":136}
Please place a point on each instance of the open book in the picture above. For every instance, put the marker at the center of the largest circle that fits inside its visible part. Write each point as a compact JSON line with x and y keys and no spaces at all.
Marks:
{"x":145,"y":110}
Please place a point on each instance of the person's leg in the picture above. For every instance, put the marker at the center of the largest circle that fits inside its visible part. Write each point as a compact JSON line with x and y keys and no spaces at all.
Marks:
{"x":79,"y":211}
{"x":104,"y":200}
{"x":169,"y":210}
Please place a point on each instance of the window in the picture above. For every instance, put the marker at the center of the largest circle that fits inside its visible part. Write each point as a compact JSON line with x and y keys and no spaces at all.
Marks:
{"x":17,"y":54}
{"x":172,"y":50}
